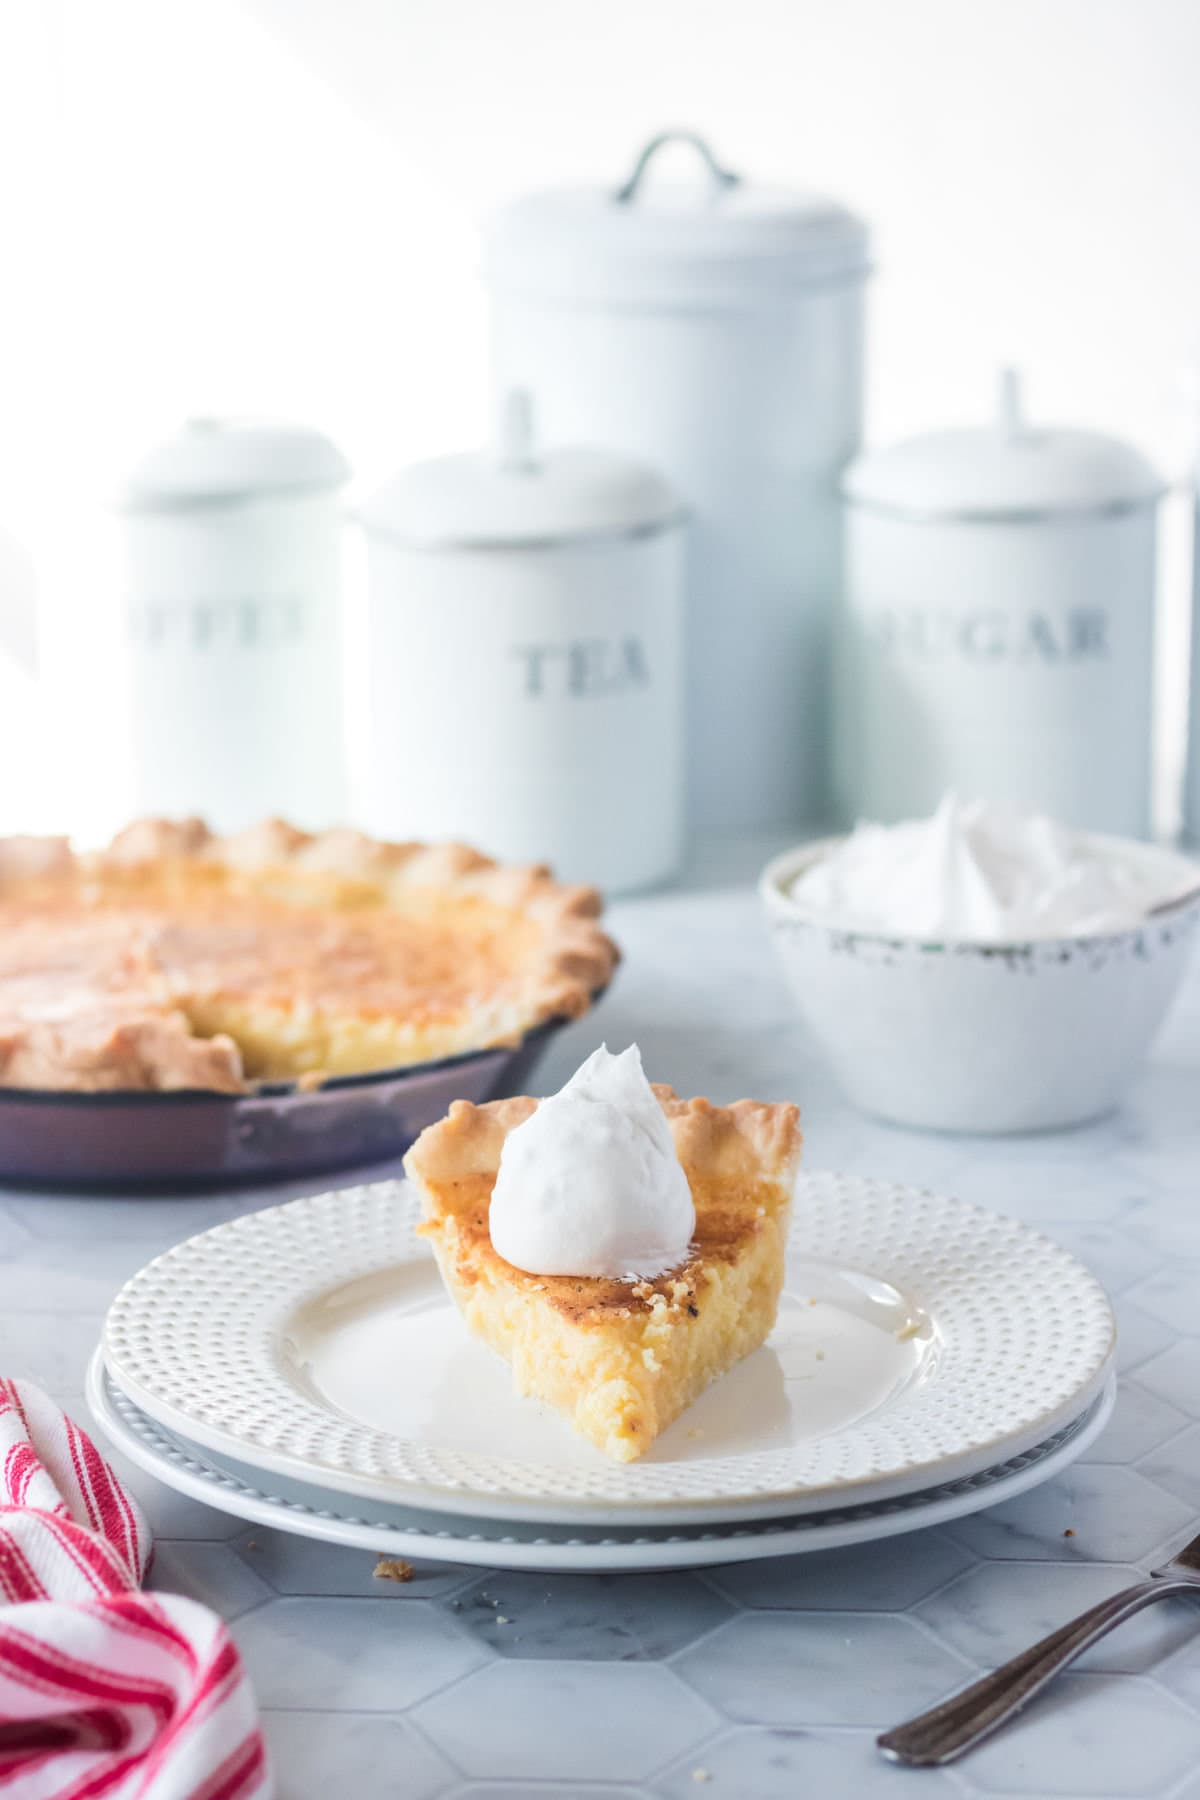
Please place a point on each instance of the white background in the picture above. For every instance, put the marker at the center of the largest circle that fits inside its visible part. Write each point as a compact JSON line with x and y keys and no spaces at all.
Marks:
{"x":273,"y":207}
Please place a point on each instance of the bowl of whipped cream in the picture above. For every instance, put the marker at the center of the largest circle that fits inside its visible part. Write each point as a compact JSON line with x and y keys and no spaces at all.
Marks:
{"x":982,"y":970}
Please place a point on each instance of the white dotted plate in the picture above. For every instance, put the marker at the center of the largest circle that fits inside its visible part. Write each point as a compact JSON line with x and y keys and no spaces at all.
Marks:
{"x":314,"y":1512}
{"x":920,"y":1340}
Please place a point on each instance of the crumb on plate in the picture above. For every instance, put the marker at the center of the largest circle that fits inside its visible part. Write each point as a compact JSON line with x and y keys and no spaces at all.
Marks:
{"x":393,"y":1568}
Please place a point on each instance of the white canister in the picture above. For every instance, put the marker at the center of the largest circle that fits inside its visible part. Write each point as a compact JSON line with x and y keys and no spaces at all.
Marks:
{"x":997,"y":629}
{"x":714,"y":329}
{"x":234,"y":624}
{"x":526,"y":641}
{"x":1191,"y":779}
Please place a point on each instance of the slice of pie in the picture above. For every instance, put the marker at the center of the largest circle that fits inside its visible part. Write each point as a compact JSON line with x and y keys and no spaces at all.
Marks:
{"x":621,"y":1358}
{"x":177,"y":959}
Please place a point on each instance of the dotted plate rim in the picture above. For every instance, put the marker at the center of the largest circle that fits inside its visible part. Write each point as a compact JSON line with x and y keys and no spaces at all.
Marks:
{"x":1027,"y":1335}
{"x":189,"y":1470}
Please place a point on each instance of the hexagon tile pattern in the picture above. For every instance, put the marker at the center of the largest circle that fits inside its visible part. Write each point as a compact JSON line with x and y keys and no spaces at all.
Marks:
{"x":753,"y":1681}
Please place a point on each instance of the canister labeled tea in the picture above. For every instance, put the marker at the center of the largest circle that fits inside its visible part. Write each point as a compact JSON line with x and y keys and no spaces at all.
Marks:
{"x":526,"y":653}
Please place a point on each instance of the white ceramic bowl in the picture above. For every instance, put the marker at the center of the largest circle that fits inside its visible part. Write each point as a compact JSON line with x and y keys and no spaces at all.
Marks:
{"x":969,"y":1037}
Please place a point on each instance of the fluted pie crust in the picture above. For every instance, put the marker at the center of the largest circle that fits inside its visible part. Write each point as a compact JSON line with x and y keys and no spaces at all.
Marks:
{"x":178,"y":959}
{"x":621,"y":1359}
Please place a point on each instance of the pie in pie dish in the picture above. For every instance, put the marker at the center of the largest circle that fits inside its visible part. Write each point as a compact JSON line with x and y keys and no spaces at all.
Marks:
{"x":178,"y":959}
{"x":621,"y":1358}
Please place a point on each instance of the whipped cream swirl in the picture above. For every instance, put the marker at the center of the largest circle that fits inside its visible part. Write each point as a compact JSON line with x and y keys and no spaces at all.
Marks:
{"x":977,"y":873}
{"x":590,"y":1184}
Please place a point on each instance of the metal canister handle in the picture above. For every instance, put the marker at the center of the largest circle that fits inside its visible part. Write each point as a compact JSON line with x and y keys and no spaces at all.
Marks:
{"x":721,"y":178}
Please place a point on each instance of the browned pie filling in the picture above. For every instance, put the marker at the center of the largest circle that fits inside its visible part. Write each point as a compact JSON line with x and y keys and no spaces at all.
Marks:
{"x":176,"y":959}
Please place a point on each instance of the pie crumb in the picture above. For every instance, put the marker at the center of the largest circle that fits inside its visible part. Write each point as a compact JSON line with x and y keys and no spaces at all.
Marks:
{"x":701,"y":1775}
{"x":393,"y":1568}
{"x":820,"y":1356}
{"x":1070,"y":1531}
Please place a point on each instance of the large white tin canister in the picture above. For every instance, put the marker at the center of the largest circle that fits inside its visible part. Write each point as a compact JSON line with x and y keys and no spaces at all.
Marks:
{"x":234,"y":624}
{"x":997,"y":629}
{"x":526,"y":644}
{"x":1191,"y":793}
{"x":714,"y":328}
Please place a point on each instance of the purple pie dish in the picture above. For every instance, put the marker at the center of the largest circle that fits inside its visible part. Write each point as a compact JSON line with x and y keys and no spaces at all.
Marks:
{"x":194,"y":1138}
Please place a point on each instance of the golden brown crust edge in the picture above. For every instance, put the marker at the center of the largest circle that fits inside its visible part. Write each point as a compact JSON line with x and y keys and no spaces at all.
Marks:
{"x":739,"y":1141}
{"x":746,"y":1140}
{"x":576,"y":956}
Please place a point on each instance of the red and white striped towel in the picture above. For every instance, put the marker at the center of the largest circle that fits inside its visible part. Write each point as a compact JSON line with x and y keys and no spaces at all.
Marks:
{"x":106,"y":1693}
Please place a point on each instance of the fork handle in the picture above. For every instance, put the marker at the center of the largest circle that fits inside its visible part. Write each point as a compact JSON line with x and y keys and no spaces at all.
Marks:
{"x":946,"y":1731}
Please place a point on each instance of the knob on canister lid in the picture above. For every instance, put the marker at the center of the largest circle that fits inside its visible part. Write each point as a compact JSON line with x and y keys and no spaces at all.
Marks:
{"x":215,"y":460}
{"x":514,"y":495}
{"x":1009,"y":470}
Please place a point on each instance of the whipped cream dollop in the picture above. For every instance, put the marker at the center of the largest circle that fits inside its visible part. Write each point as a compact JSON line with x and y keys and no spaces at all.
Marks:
{"x":979,"y":873}
{"x":590,"y":1184}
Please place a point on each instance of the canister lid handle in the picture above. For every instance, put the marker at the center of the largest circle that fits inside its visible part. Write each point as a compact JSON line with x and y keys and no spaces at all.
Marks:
{"x":721,"y":177}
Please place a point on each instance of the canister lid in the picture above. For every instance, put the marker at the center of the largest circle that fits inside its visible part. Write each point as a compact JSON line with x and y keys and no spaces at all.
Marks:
{"x":513,"y":496}
{"x":716,"y":238}
{"x":217,"y":460}
{"x":1010,"y":470}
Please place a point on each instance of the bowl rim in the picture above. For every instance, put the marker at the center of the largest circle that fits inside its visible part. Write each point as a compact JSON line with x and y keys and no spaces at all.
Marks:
{"x":784,"y":867}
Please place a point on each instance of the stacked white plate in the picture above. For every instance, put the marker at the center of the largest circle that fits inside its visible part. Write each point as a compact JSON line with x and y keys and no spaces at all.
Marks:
{"x":302,"y":1368}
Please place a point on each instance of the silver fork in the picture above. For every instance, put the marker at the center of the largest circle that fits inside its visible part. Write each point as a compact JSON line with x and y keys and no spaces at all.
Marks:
{"x":958,"y":1724}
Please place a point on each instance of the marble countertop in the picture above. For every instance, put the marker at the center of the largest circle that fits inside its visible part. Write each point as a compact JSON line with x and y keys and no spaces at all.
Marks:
{"x":760,"y":1681}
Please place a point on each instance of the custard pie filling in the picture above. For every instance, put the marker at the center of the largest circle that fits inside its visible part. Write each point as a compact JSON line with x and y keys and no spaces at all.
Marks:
{"x":177,"y":959}
{"x":620,"y":1358}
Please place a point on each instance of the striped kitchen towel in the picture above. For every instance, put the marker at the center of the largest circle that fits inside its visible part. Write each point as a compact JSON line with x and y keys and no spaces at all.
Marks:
{"x":106,"y":1693}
